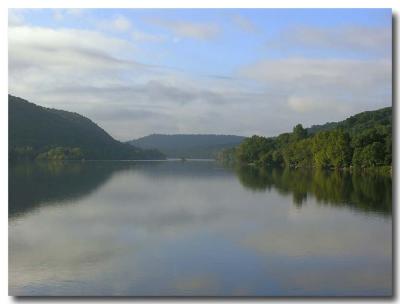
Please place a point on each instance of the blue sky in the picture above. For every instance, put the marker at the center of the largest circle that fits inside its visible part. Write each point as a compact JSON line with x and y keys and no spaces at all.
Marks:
{"x":231,"y":71}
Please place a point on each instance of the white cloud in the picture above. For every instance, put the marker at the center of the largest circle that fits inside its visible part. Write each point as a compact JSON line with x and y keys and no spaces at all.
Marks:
{"x":43,"y":59}
{"x":301,"y":104}
{"x":297,"y":71}
{"x":46,"y":38}
{"x":77,"y":12}
{"x":61,"y":14}
{"x":244,"y":23}
{"x":121,"y":23}
{"x":316,"y":105}
{"x":15,"y":17}
{"x":350,"y":38}
{"x":118,"y":23}
{"x":58,"y":15}
{"x":147,"y":37}
{"x":186,"y":29}
{"x":329,"y":86}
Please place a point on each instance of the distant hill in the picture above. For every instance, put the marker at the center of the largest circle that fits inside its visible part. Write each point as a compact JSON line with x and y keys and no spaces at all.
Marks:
{"x":36,"y":131}
{"x":358,"y":122}
{"x":188,"y":145}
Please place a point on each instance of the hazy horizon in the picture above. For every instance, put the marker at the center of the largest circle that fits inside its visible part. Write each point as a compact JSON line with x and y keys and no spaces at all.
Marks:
{"x":137,"y":72}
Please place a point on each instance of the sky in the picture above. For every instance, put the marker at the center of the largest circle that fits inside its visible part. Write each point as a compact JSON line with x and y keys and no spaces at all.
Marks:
{"x":216,"y":71}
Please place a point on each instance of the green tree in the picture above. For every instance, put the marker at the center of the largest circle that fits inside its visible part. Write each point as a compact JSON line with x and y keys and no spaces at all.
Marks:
{"x":299,"y":132}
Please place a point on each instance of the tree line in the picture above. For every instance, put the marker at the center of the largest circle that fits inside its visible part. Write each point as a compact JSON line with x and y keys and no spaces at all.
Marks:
{"x":363,"y":140}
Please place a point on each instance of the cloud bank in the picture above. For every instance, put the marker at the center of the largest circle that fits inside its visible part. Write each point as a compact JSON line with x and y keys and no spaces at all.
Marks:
{"x":102,"y":75}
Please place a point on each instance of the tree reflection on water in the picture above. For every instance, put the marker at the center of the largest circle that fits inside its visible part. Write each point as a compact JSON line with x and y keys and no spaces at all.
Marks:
{"x":363,"y":191}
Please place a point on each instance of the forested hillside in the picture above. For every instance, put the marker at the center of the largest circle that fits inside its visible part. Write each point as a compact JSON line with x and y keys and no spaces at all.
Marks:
{"x":39,"y":132}
{"x":357,"y":122}
{"x":362,"y":140}
{"x":188,"y":145}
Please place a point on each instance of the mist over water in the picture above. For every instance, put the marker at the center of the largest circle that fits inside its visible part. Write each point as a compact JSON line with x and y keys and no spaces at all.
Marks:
{"x":197,"y":228}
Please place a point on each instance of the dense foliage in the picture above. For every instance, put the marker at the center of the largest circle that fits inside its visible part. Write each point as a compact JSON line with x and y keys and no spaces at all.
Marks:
{"x":38,"y":132}
{"x":363,"y":140}
{"x":188,"y":145}
{"x":60,"y":153}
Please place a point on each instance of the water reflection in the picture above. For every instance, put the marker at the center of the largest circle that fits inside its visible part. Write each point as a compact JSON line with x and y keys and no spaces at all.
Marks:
{"x":32,"y":184}
{"x":61,"y":182}
{"x":187,"y":228}
{"x":362,"y":191}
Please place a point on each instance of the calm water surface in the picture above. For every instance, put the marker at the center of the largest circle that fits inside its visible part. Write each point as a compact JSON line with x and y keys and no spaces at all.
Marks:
{"x":196,"y":228}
